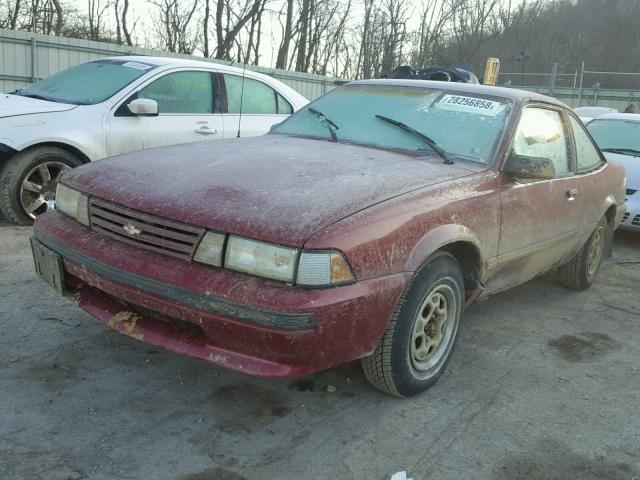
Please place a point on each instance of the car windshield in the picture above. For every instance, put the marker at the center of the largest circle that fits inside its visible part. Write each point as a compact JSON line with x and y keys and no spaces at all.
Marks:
{"x":453,"y":125}
{"x":87,"y":83}
{"x":619,"y":136}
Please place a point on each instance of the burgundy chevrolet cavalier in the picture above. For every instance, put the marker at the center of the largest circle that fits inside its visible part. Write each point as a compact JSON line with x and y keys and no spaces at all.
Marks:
{"x":359,"y":228}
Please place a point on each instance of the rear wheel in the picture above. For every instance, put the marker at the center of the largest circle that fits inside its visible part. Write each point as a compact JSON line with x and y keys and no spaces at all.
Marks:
{"x":582,"y":270}
{"x":420,"y":337}
{"x":28,"y":182}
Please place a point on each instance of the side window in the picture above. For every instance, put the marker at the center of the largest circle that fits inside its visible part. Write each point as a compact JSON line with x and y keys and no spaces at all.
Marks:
{"x":284,"y":107}
{"x":257,"y":98}
{"x":541,"y":134}
{"x":181,"y":92}
{"x":588,"y":156}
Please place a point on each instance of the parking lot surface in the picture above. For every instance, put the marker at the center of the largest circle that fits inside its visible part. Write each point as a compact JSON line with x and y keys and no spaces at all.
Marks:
{"x":545,"y":383}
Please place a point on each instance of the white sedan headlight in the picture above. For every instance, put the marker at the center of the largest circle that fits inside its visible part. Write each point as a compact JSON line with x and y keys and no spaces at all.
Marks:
{"x":261,"y":259}
{"x":73,"y":203}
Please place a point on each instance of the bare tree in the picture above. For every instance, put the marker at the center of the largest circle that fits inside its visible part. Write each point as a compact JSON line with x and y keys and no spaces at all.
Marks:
{"x":230,"y":18}
{"x":125,"y":28}
{"x":283,"y":51}
{"x":173,"y":25}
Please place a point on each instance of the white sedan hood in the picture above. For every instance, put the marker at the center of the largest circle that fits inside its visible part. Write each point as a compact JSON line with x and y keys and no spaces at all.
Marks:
{"x":11,"y":105}
{"x":631,"y":166}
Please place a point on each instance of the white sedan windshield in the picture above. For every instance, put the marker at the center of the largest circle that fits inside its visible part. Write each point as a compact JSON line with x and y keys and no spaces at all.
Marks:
{"x":87,"y":83}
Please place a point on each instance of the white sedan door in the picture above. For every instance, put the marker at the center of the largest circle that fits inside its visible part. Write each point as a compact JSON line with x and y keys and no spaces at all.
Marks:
{"x":261,"y":107}
{"x":188,"y":111}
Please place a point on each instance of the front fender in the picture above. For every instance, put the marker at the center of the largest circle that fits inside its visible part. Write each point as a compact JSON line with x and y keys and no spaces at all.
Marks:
{"x":439,"y":237}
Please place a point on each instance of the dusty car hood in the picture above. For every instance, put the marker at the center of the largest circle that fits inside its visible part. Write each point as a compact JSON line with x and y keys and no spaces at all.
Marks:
{"x":631,"y":166}
{"x":273,"y":188}
{"x":11,"y":105}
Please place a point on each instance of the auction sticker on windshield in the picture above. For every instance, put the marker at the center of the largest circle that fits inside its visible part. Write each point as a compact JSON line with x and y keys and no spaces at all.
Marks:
{"x":136,"y":65}
{"x":460,"y":103}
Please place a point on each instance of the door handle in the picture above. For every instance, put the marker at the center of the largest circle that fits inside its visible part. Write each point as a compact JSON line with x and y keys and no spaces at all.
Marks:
{"x":571,"y":194}
{"x":206,"y":130}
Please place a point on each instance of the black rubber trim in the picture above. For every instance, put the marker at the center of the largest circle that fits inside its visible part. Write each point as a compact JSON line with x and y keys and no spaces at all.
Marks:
{"x":183,"y":296}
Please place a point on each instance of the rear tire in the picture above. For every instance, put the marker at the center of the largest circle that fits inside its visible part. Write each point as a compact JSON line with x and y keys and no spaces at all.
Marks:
{"x":582,"y":270}
{"x":418,"y":342}
{"x":26,"y":189}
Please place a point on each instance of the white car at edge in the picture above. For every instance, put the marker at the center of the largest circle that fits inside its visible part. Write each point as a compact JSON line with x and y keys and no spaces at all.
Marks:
{"x":117,"y":105}
{"x":618,"y":136}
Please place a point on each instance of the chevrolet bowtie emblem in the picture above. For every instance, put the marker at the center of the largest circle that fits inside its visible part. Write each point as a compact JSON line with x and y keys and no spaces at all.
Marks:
{"x":132,"y":229}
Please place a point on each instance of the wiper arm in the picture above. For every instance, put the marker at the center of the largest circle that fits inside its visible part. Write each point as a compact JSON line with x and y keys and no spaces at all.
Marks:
{"x":434,"y":146}
{"x":327,"y":121}
{"x":622,"y":150}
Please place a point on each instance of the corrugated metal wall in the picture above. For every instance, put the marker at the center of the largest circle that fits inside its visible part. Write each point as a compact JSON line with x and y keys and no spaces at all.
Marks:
{"x":27,"y":57}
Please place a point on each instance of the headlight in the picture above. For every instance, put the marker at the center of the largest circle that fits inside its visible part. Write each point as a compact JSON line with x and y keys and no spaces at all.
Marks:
{"x":73,"y":203}
{"x":210,"y":249}
{"x":323,"y":269}
{"x":261,"y":259}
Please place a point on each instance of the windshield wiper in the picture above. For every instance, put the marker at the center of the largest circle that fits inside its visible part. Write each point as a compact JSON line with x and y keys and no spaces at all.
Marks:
{"x":623,"y":151}
{"x":327,"y":121}
{"x":434,"y":146}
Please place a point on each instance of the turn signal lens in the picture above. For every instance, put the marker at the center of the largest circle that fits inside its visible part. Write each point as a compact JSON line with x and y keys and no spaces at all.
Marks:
{"x":317,"y":269}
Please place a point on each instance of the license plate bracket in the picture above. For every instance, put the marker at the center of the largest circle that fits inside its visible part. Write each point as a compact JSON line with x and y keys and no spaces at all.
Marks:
{"x":48,"y":265}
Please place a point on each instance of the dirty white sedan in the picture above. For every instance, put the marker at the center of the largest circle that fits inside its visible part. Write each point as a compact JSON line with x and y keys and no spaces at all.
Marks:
{"x":122,"y":104}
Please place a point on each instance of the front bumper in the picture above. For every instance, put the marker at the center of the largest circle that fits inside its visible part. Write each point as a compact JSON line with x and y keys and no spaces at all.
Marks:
{"x":631,"y":218}
{"x":234,"y":320}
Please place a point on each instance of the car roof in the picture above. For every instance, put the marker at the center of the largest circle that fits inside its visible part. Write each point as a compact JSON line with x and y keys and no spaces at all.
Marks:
{"x":629,"y":117}
{"x":183,"y":62}
{"x":290,"y":93}
{"x":514,"y":94}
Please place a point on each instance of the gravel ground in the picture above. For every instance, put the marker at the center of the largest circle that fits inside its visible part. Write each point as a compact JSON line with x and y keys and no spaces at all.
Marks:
{"x":545,"y":383}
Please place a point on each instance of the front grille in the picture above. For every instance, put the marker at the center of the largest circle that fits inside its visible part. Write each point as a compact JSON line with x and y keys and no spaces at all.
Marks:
{"x":144,"y":230}
{"x":636,"y":221}
{"x":631,"y":191}
{"x":625,"y":217}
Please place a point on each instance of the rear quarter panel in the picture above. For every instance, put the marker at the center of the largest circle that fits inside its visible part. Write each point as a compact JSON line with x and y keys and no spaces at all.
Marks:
{"x":602,"y":189}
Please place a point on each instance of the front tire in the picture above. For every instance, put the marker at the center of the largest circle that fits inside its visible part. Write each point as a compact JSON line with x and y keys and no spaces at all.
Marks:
{"x":28,"y":182}
{"x":419,"y":340}
{"x":583,"y":269}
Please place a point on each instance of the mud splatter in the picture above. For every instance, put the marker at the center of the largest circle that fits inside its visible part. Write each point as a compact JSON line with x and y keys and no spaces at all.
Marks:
{"x":303,"y":385}
{"x":587,"y":347}
{"x":129,"y":322}
{"x":552,"y":460}
{"x":244,"y":407}
{"x":214,"y":473}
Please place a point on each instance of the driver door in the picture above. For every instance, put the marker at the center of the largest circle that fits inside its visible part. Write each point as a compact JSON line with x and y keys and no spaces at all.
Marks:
{"x":188,"y":111}
{"x":540,"y":218}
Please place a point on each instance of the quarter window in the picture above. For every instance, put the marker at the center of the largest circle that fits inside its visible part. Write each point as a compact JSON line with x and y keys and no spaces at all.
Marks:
{"x":181,"y":92}
{"x":257,"y":97}
{"x":541,"y":134}
{"x":588,"y":156}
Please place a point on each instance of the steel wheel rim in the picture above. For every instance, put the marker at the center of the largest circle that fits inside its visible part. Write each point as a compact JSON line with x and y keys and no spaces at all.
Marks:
{"x":38,"y":187}
{"x":433,"y":329}
{"x":595,"y":251}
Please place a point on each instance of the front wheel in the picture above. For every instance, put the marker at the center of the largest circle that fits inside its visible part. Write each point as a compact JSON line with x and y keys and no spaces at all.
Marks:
{"x":582,"y":270}
{"x":420,"y":337}
{"x":28,"y":182}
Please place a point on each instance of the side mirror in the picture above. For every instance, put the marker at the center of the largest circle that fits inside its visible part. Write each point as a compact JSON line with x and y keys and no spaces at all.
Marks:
{"x":529,"y":168}
{"x":143,"y":107}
